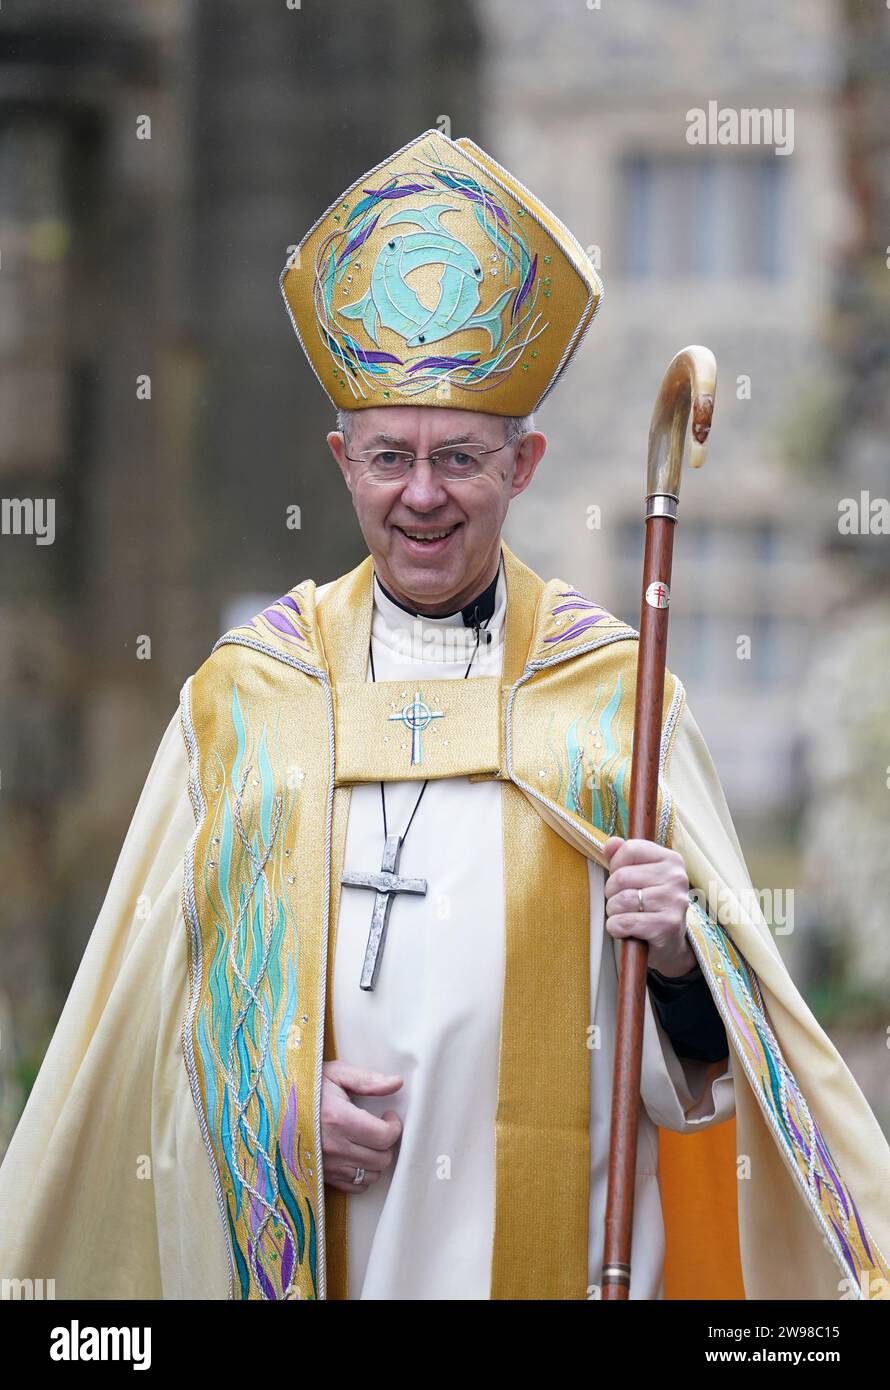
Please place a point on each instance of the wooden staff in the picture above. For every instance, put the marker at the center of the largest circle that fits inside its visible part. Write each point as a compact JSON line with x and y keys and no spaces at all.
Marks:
{"x":689,"y":384}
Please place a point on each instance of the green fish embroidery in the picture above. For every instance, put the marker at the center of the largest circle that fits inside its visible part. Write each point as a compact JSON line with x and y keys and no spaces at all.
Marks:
{"x":392,"y":303}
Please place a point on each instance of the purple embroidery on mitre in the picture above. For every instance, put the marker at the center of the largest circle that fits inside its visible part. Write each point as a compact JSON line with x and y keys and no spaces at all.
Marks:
{"x":468,"y":360}
{"x":402,"y":192}
{"x":460,"y":183}
{"x":526,"y":287}
{"x":358,"y":239}
{"x":368,"y":357}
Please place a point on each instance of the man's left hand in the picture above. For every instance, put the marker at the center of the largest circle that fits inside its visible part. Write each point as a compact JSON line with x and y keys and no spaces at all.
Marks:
{"x":661,"y":876}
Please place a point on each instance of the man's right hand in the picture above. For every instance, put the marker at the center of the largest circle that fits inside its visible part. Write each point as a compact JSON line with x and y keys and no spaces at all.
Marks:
{"x":351,"y":1137}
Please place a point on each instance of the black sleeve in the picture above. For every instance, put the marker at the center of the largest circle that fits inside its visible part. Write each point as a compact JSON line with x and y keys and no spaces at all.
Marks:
{"x":689,"y":1015}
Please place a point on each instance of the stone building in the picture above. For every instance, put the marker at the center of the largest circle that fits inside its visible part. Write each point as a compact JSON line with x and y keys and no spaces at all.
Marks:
{"x":157,"y":160}
{"x":727,"y":245}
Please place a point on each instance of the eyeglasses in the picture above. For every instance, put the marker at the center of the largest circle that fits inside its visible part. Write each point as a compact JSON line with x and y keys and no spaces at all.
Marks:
{"x":452,"y":462}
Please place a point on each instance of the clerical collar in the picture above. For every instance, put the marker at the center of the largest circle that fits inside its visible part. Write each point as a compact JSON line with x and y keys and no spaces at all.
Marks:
{"x":478,"y":610}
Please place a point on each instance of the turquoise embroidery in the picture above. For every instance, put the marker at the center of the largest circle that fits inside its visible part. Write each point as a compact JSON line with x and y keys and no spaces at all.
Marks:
{"x":513,"y":320}
{"x":393,"y":303}
{"x":246,"y":1018}
{"x":735,"y":987}
{"x":592,"y":779}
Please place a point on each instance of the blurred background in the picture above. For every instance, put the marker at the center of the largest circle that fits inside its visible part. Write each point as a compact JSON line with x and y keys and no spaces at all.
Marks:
{"x":159,"y":159}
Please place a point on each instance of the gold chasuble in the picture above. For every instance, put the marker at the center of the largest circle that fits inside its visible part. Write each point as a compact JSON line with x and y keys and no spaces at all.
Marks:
{"x":437,"y":278}
{"x":788,"y":1199}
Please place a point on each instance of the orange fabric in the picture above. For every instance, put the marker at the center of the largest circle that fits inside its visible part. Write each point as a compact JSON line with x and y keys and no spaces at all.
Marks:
{"x":697,"y":1175}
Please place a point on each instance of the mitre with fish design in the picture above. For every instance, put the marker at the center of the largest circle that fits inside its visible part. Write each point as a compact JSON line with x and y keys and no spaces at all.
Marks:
{"x":438,"y":279}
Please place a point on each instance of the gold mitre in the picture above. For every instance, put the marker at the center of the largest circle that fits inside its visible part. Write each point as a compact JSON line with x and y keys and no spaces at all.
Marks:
{"x":438,"y":279}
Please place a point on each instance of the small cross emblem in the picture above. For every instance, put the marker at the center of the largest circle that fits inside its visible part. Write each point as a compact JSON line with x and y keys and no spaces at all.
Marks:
{"x":417,"y":716}
{"x":658,"y":595}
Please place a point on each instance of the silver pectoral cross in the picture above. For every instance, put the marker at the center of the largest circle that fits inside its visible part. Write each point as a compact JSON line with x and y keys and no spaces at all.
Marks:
{"x":385,"y":883}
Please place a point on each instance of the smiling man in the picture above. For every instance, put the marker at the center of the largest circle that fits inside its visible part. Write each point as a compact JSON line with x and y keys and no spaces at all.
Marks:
{"x":346,"y":1025}
{"x":435,"y":539}
{"x":410,"y":1110}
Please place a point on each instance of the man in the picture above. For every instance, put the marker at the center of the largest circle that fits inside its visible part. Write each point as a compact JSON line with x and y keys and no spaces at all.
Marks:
{"x":432,"y":1152}
{"x":366,"y":884}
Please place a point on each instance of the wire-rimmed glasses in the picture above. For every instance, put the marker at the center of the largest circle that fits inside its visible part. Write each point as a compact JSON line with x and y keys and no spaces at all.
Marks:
{"x":451,"y":461}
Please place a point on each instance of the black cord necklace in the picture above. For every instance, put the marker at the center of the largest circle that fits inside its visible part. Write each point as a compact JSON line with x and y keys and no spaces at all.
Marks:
{"x":387,"y":882}
{"x":404,"y":835}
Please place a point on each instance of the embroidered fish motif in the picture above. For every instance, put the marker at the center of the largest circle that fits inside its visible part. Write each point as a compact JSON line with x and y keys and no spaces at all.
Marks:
{"x":390,"y":301}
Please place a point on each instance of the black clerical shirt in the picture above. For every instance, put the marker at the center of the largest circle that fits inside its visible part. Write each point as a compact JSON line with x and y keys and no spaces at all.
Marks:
{"x":689,"y":1015}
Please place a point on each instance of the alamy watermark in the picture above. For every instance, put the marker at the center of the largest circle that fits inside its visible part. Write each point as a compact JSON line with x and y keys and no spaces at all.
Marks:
{"x":29,"y":516}
{"x":745,"y":125}
{"x":732,"y":907}
{"x":32,"y":1290}
{"x":434,"y":643}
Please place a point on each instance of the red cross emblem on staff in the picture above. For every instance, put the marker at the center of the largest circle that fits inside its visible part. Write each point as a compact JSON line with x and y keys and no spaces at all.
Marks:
{"x":658,"y":595}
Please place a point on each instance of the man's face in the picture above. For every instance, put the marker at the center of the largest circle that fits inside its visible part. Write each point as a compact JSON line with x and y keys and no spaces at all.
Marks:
{"x":444,"y":575}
